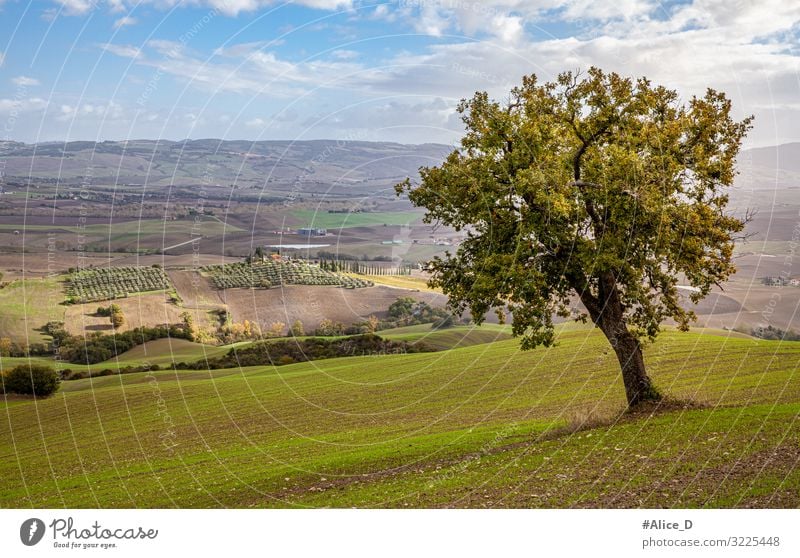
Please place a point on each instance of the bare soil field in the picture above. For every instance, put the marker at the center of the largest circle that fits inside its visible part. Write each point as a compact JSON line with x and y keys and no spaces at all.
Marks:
{"x":761,"y":306}
{"x":143,"y":310}
{"x":190,"y":260}
{"x":195,"y":290}
{"x":745,"y":302}
{"x":37,"y":264}
{"x":311,"y":304}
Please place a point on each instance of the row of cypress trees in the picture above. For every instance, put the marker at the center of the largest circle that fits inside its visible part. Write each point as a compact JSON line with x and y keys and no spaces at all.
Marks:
{"x":363,"y":268}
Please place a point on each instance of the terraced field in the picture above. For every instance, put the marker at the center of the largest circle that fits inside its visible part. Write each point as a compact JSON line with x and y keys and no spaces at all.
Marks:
{"x":485,"y":425}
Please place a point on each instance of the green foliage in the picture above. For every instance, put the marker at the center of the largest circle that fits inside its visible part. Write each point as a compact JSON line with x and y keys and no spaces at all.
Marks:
{"x":772,"y":333}
{"x":278,"y":353}
{"x":402,"y":307}
{"x":406,"y":311}
{"x":106,"y":283}
{"x":297,"y":329}
{"x":444,"y":323}
{"x":329,"y":328}
{"x":117,"y":316}
{"x":188,"y":325}
{"x":31,"y":379}
{"x":604,"y":186}
{"x":352,"y":265}
{"x":96,"y":347}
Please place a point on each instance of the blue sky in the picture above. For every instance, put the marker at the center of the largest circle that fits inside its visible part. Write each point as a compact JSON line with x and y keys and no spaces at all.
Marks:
{"x":256,"y":69}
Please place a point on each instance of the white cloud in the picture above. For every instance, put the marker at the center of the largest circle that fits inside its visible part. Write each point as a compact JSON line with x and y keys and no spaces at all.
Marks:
{"x":126,"y":51}
{"x":624,"y":9}
{"x":116,"y":6}
{"x":125,"y":20}
{"x":21,"y":105}
{"x":110,"y":111}
{"x":747,"y":48}
{"x":24,"y":81}
{"x":255,"y":123}
{"x":170,"y":49}
{"x":507,"y":28}
{"x":77,"y":7}
{"x":344,"y":54}
{"x":227,"y":7}
{"x":2,"y":58}
{"x":248,"y":69}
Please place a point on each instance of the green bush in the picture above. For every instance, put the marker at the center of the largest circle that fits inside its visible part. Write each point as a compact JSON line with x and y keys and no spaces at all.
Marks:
{"x":31,"y":379}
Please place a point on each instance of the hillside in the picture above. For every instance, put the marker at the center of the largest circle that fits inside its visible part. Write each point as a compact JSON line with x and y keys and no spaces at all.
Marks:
{"x":770,"y":167}
{"x":317,"y":165}
{"x":485,"y":425}
{"x":325,"y":166}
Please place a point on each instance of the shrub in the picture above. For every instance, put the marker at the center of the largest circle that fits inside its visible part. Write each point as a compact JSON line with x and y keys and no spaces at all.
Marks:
{"x":445,"y":322}
{"x":31,"y":379}
{"x":297,"y":329}
{"x":328,"y":328}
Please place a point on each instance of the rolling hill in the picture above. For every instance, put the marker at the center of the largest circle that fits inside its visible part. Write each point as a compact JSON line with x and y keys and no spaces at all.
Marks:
{"x":323,"y":166}
{"x":481,"y":426}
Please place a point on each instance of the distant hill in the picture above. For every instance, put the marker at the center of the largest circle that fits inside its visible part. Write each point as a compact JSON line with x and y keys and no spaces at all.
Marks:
{"x":280,"y":166}
{"x":316,"y":166}
{"x":765,"y":168}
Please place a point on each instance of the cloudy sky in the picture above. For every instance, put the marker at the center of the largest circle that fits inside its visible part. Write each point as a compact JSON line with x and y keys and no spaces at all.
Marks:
{"x":309,"y":69}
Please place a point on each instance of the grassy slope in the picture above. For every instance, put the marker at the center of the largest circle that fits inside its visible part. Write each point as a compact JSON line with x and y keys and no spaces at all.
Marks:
{"x":164,"y":352}
{"x":453,"y":428}
{"x":450,"y":338}
{"x":29,"y":304}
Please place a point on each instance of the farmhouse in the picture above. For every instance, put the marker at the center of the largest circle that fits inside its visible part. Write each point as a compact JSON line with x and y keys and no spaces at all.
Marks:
{"x":312,"y":232}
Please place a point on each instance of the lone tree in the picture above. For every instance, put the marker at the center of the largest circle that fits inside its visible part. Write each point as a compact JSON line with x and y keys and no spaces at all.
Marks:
{"x":116,"y":316}
{"x":594,"y":186}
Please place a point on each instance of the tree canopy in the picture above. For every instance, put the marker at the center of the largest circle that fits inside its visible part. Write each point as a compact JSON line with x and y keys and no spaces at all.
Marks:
{"x":594,"y":186}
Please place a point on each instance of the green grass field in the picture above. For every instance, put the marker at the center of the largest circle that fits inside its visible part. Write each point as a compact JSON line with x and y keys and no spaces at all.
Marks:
{"x":450,"y":338}
{"x":28,"y":305}
{"x":485,"y":425}
{"x":323,"y":219}
{"x":165,"y":352}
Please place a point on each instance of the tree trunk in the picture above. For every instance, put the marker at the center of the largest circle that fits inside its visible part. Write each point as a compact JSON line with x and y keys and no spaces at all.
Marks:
{"x":638,"y":386}
{"x":608,"y":313}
